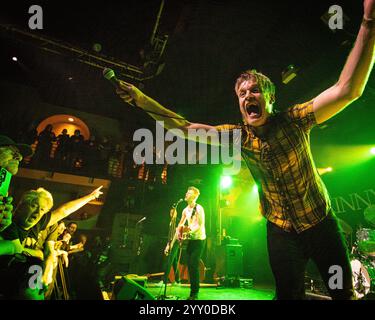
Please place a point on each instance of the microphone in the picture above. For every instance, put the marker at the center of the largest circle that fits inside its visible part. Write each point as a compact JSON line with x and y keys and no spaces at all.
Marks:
{"x":177,"y":203}
{"x":143,"y":219}
{"x":110,"y":75}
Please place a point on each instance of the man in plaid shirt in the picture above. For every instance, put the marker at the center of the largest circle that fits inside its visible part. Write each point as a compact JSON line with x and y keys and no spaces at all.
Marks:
{"x":276,"y":149}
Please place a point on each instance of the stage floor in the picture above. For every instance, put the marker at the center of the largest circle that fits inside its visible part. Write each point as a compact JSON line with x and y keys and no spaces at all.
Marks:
{"x":210,"y":292}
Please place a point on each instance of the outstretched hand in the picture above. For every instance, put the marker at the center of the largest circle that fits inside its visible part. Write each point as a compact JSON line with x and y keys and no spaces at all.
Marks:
{"x":96,"y":193}
{"x":129,"y":92}
{"x":369,"y":9}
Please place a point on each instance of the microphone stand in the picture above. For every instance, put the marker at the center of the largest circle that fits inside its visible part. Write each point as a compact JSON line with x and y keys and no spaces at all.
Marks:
{"x":172,"y":230}
{"x":138,"y":226}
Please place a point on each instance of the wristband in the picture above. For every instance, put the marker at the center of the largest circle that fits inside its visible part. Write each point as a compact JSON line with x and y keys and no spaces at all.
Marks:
{"x":368,"y":23}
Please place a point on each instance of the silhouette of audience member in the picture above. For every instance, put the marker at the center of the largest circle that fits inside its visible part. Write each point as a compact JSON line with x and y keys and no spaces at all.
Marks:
{"x":75,"y":150}
{"x":91,"y":154}
{"x":42,"y":155}
{"x":62,"y":150}
{"x":28,"y":135}
{"x":104,"y":152}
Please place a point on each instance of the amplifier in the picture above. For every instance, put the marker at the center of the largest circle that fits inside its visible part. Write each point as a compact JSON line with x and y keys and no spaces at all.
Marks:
{"x":229,"y":261}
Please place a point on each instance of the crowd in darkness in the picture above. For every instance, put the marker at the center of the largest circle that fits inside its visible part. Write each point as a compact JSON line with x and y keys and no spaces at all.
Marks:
{"x":36,"y":235}
{"x":77,"y":155}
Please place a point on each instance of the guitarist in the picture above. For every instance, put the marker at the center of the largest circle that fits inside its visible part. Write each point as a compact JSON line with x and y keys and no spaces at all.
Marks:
{"x":193,"y":214}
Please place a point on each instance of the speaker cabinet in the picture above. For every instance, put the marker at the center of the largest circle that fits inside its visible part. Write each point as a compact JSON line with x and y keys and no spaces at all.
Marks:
{"x":127,"y":289}
{"x":229,"y":260}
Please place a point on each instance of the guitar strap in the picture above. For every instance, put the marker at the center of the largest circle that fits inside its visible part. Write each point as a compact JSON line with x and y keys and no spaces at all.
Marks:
{"x":194,"y":210}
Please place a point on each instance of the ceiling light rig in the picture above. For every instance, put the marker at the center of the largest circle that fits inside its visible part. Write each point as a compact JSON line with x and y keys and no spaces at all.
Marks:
{"x":96,"y":59}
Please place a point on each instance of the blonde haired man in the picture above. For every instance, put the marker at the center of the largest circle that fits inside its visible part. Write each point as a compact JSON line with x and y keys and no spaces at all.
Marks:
{"x":20,"y":240}
{"x":195,"y":232}
{"x":276,"y":148}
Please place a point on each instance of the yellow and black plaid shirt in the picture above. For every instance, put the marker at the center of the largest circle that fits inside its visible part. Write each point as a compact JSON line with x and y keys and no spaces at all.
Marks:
{"x":291,"y":192}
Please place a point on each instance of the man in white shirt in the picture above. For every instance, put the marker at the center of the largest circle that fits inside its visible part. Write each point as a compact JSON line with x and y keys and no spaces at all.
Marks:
{"x":195,"y":232}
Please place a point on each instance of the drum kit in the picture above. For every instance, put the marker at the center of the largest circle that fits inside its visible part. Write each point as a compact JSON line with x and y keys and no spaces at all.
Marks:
{"x":363,"y":256}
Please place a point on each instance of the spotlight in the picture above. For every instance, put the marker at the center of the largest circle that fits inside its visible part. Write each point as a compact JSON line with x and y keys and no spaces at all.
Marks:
{"x":226,"y":182}
{"x":255,"y":188}
{"x":372,"y":150}
{"x":71,"y":119}
{"x":15,"y":59}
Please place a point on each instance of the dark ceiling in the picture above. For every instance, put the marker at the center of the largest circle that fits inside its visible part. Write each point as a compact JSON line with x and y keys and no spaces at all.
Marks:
{"x":210,"y":43}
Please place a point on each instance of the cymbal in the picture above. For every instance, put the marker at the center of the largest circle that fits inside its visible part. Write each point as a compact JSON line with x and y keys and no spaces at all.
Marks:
{"x":346,"y":228}
{"x":369,"y":214}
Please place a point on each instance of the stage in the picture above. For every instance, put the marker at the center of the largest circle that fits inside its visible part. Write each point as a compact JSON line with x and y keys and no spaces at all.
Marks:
{"x":207,"y":292}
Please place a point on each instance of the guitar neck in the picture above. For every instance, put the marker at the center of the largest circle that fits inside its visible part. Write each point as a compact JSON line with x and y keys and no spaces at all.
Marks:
{"x":171,"y":244}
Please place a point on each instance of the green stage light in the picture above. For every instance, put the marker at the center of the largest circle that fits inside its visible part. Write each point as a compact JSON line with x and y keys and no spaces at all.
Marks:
{"x":255,"y":188}
{"x":226,"y":182}
{"x":372,"y":151}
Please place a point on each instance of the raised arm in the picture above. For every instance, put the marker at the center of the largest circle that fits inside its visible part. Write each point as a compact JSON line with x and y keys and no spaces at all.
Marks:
{"x":72,"y":206}
{"x":172,"y":120}
{"x":355,"y":73}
